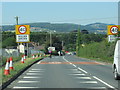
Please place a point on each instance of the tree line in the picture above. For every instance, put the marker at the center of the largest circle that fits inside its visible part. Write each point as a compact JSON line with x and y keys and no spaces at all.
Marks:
{"x":69,"y":40}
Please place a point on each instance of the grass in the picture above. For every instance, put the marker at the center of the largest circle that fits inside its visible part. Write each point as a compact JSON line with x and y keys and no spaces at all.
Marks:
{"x":18,"y":66}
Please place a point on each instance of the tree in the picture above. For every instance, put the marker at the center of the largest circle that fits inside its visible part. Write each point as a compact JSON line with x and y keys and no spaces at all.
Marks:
{"x":9,"y":42}
{"x":78,"y":42}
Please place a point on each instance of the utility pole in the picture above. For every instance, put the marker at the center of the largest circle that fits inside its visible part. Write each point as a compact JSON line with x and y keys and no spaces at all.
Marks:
{"x":16,"y":17}
{"x":50,"y":39}
{"x":62,"y":45}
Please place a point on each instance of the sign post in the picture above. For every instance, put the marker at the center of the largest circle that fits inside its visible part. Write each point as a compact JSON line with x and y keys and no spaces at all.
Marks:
{"x":23,"y":34}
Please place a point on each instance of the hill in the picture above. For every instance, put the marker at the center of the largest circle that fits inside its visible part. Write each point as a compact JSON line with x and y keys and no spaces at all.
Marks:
{"x":61,"y":27}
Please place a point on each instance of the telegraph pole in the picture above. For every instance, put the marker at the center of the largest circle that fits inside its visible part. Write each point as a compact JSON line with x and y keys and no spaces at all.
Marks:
{"x":16,"y":17}
{"x":62,"y":45}
{"x":50,"y":39}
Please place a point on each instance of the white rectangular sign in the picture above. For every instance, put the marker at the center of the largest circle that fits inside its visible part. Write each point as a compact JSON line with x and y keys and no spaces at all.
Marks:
{"x":22,"y":38}
{"x":51,"y":48}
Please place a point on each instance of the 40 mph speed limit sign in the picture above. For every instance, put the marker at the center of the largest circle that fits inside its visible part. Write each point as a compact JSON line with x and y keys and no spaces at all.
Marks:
{"x":22,"y":29}
{"x":22,"y":33}
{"x":113,"y":29}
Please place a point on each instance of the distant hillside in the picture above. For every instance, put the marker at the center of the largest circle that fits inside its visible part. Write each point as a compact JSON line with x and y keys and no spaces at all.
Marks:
{"x":63,"y":27}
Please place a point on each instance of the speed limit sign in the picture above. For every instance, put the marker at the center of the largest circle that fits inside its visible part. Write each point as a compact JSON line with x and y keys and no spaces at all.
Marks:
{"x":22,"y":29}
{"x":113,"y":29}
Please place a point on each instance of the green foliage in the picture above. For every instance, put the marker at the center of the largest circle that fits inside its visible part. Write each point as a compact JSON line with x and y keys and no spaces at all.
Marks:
{"x":88,"y":38}
{"x":78,"y":42}
{"x":99,"y":51}
{"x":9,"y":42}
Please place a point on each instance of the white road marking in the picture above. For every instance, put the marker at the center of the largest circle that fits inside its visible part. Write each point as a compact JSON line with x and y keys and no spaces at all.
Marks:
{"x":28,"y":81}
{"x":99,"y":63}
{"x":95,"y":88}
{"x":76,"y":66}
{"x":78,"y":74}
{"x":31,"y":77}
{"x":83,"y":77}
{"x":39,"y":62}
{"x":91,"y":82}
{"x":35,"y":71}
{"x":24,"y":87}
{"x":74,"y":71}
{"x":103,"y":82}
{"x":33,"y":74}
{"x":82,"y":70}
{"x":38,"y":69}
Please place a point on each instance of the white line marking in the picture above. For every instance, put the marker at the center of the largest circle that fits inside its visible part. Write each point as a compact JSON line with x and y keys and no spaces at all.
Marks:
{"x":82,"y":70}
{"x":103,"y":82}
{"x":39,"y":62}
{"x":72,"y":69}
{"x":83,"y":77}
{"x":88,"y":82}
{"x":99,"y":63}
{"x":96,"y":88}
{"x":31,"y":77}
{"x":33,"y":74}
{"x":75,"y":66}
{"x":35,"y":71}
{"x":38,"y":69}
{"x":28,"y":81}
{"x":25,"y":87}
{"x":76,"y":71}
{"x":78,"y":74}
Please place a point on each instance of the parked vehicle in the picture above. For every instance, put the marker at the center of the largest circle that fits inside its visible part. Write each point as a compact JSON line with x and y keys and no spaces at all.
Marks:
{"x":116,"y":63}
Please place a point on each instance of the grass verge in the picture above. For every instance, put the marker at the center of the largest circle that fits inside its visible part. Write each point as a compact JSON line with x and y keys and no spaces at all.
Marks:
{"x":18,"y":66}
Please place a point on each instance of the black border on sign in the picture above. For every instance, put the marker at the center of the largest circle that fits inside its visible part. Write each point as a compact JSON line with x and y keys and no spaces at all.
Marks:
{"x":114,"y":26}
{"x":19,"y":27}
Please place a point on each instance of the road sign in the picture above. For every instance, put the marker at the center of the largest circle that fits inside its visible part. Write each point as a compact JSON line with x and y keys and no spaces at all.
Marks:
{"x":113,"y":29}
{"x":22,"y":29}
{"x":51,"y":48}
{"x":22,"y":38}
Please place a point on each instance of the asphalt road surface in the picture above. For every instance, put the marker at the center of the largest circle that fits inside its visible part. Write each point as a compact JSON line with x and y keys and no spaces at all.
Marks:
{"x":67,"y":72}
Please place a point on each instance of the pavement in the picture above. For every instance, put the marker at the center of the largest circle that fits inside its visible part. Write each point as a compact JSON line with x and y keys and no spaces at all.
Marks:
{"x":67,"y":72}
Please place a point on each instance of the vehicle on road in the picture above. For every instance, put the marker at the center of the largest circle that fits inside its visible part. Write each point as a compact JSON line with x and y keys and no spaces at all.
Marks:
{"x":116,"y":62}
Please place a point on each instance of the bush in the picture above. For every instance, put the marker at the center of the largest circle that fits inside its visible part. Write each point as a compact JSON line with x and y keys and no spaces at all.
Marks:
{"x":100,"y":51}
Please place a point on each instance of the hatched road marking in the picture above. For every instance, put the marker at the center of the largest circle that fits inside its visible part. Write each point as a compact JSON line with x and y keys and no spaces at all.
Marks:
{"x":28,"y":81}
{"x":33,"y":74}
{"x":103,"y":82}
{"x":88,"y":82}
{"x":35,"y":71}
{"x":31,"y":77}
{"x":83,"y":77}
{"x":38,"y":69}
{"x":78,"y":74}
{"x":24,"y":87}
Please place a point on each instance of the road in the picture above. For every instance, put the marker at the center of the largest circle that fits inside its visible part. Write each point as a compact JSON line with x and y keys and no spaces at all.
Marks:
{"x":67,"y":72}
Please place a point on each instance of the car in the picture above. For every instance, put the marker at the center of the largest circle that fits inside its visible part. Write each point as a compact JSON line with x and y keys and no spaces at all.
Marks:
{"x":116,"y":62}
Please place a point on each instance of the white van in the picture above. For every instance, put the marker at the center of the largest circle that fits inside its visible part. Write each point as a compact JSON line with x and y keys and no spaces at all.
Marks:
{"x":116,"y":63}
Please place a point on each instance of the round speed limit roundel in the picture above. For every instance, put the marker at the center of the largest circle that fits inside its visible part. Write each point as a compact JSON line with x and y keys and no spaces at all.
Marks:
{"x":114,"y":29}
{"x":22,"y":29}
